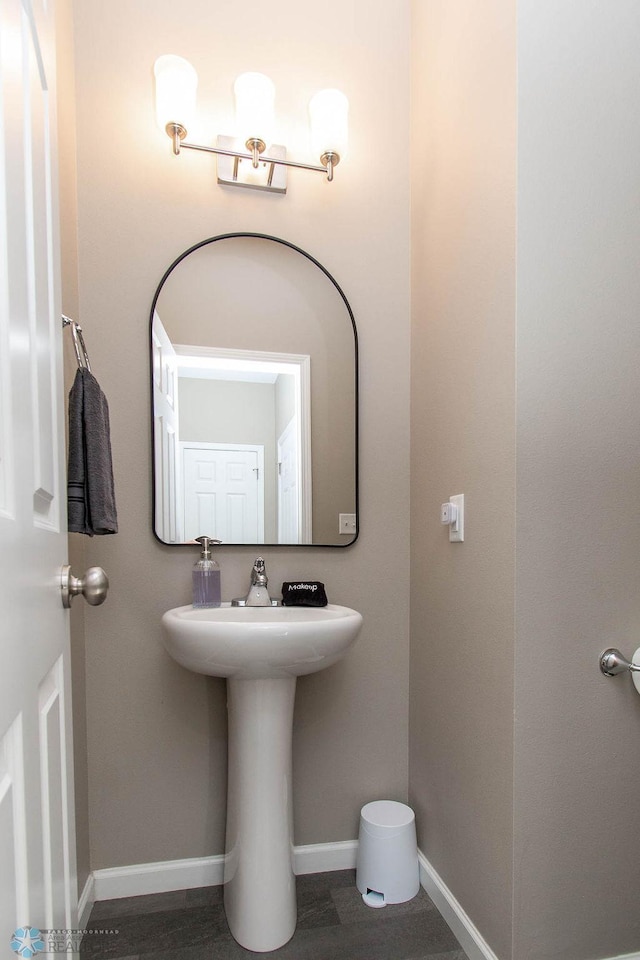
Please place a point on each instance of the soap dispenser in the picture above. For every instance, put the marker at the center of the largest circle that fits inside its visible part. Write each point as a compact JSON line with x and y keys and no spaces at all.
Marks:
{"x":206,"y":576}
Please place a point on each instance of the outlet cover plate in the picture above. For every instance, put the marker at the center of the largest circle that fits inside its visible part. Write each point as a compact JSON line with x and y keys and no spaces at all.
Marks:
{"x":347,"y":523}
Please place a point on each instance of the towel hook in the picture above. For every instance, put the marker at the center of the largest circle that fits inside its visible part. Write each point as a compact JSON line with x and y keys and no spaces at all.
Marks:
{"x":78,"y":342}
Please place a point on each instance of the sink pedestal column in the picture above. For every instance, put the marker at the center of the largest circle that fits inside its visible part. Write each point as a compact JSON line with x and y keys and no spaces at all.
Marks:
{"x":259,"y":882}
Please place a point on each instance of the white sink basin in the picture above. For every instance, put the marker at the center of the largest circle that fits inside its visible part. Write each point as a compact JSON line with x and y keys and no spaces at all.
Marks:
{"x":251,"y":643}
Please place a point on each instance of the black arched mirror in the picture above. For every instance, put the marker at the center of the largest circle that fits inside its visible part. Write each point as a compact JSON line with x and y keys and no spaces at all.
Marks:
{"x":254,"y":360}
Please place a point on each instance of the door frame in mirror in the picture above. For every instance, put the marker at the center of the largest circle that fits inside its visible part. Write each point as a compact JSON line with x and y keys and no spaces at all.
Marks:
{"x":323,"y":269}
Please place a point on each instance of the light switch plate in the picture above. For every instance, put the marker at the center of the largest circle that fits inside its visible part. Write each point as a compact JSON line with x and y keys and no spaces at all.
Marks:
{"x":457,"y":535}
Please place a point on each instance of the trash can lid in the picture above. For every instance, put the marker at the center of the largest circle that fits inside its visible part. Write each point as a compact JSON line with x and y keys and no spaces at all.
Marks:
{"x":387,"y":813}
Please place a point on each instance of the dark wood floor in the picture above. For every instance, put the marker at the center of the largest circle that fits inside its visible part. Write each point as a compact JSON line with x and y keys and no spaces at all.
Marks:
{"x":333,"y":924}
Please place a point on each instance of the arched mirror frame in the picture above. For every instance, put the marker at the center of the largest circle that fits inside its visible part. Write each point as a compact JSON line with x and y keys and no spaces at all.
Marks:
{"x":323,"y":269}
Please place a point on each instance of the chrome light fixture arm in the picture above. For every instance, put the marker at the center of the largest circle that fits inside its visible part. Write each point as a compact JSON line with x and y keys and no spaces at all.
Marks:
{"x":177,"y":133}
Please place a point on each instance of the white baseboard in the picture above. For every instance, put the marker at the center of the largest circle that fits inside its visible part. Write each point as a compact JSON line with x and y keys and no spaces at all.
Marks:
{"x":626,"y":956}
{"x":323,"y":857}
{"x":143,"y":878}
{"x":86,"y":902}
{"x":468,"y":935}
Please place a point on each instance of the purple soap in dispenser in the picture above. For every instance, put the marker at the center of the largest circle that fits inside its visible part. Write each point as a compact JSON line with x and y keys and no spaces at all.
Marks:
{"x":206,"y":577}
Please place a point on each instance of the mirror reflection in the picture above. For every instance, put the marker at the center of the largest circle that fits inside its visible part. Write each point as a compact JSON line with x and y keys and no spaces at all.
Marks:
{"x":254,"y":380}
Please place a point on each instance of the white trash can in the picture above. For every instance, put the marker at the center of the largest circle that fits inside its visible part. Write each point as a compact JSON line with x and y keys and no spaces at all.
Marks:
{"x":387,"y":861}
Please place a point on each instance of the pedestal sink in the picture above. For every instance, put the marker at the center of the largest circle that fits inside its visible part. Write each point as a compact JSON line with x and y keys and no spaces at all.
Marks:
{"x":261,"y":651}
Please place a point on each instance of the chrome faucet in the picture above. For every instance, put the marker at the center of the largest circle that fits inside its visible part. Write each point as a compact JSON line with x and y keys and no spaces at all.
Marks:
{"x":258,"y":595}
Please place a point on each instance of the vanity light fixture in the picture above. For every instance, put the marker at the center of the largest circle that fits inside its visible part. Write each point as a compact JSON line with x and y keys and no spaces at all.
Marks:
{"x":176,"y":84}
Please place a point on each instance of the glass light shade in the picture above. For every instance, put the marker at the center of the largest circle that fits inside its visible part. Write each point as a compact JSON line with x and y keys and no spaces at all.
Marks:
{"x":329,"y":111}
{"x":176,"y":84}
{"x":255,"y":98}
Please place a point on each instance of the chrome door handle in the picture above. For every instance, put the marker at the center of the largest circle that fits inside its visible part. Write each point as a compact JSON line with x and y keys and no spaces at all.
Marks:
{"x":612,"y":663}
{"x":93,"y":586}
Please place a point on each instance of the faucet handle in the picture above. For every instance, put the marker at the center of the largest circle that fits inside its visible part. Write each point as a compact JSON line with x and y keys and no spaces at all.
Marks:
{"x":258,"y":575}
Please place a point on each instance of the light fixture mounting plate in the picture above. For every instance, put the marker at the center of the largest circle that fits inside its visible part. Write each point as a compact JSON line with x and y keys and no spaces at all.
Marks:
{"x":234,"y":172}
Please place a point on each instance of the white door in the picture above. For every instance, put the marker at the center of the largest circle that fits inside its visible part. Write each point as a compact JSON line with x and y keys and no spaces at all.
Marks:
{"x":224,"y":492}
{"x":37,"y":840}
{"x":165,"y":435}
{"x":288,"y":485}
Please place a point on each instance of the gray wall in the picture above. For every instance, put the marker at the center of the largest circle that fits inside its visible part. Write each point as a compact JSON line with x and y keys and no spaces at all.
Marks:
{"x":577,"y":770}
{"x":156,"y":733}
{"x":462,"y":616}
{"x":523,"y":768}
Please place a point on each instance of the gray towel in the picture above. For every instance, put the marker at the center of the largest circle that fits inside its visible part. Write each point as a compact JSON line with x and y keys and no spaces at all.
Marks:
{"x":90,"y":490}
